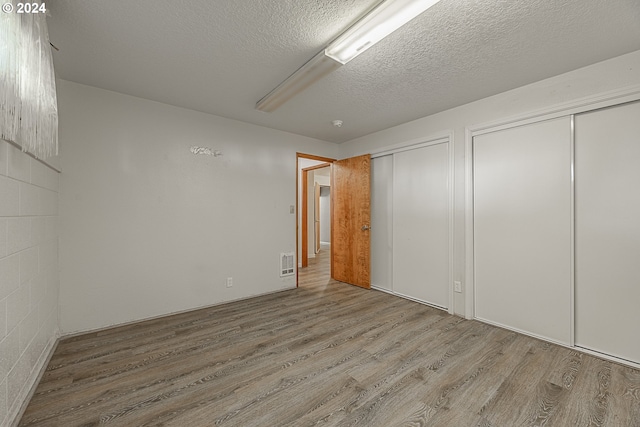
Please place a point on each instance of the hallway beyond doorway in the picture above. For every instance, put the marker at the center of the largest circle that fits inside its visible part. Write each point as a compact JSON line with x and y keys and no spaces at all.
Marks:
{"x":317,"y":274}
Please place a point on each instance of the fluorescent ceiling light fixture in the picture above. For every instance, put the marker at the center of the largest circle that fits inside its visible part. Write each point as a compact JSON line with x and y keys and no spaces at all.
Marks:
{"x":318,"y":67}
{"x":383,"y":20}
{"x":387,"y":17}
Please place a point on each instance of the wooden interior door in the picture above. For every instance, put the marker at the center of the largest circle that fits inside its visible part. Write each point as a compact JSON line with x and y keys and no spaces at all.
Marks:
{"x":351,"y":219}
{"x":316,"y":216}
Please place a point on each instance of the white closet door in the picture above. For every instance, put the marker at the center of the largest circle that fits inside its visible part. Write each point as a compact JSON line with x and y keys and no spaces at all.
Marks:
{"x":421,"y":224}
{"x":607,"y":158}
{"x":522,"y":228}
{"x":381,"y":222}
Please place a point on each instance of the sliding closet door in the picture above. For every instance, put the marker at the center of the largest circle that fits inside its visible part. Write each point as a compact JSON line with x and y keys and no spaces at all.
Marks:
{"x":381,"y":222}
{"x":607,"y":158}
{"x":522,"y":228}
{"x":421,"y":224}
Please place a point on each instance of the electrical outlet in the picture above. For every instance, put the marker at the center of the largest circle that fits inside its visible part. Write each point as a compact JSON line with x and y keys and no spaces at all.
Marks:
{"x":457,"y":286}
{"x":229,"y":282}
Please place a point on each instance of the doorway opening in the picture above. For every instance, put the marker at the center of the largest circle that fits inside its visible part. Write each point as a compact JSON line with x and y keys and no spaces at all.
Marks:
{"x":350,"y":218}
{"x":312,"y":221}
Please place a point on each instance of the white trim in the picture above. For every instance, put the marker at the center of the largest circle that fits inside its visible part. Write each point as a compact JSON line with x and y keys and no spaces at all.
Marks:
{"x":412,"y":145}
{"x":590,"y":103}
{"x":398,"y":294}
{"x":188,"y":310}
{"x":16,"y":411}
{"x":572,"y":221}
{"x":391,"y":219}
{"x":385,"y":290}
{"x":469,"y":229}
{"x":564,"y":345}
{"x":607,"y":357}
{"x":393,"y":227}
{"x":520,"y":331}
{"x":452,"y":198}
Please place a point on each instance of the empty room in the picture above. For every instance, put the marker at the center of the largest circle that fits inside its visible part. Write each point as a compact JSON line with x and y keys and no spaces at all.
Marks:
{"x":320,"y":213}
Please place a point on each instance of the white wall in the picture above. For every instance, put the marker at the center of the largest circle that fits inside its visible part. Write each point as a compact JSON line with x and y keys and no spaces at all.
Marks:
{"x":324,"y":180}
{"x":316,"y":176}
{"x":29,"y":279}
{"x":311,"y":203}
{"x":325,"y":214}
{"x":148,"y":228}
{"x":596,"y":79}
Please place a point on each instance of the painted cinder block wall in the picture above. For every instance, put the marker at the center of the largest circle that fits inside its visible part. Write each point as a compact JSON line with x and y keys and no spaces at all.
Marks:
{"x":29,"y":278}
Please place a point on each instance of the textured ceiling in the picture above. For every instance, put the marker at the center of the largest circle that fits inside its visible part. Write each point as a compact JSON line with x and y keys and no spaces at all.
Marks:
{"x":221,"y":56}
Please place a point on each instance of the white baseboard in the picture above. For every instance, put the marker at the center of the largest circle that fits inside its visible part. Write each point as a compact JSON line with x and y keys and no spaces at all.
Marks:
{"x":16,"y":411}
{"x":173,"y":313}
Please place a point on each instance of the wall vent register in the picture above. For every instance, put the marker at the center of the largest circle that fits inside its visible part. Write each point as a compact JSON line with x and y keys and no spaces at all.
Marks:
{"x":287,"y":266}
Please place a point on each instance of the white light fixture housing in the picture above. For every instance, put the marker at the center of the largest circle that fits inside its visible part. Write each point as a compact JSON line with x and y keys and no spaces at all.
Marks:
{"x":318,"y":67}
{"x":387,"y":17}
{"x":383,"y":20}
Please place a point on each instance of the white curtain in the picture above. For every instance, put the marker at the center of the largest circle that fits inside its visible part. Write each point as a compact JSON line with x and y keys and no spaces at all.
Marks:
{"x":28,"y":103}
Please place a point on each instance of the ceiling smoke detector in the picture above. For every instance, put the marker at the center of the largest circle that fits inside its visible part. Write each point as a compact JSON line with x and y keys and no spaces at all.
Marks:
{"x":337,"y":123}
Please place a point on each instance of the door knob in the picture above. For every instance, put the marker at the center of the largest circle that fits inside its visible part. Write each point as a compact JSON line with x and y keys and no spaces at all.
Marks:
{"x":365,"y":228}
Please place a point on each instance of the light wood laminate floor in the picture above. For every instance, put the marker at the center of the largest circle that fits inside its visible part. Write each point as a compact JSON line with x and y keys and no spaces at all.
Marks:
{"x":327,"y":354}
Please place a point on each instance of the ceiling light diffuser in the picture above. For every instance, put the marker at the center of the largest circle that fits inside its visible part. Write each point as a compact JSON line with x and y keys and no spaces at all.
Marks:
{"x":383,"y":20}
{"x":373,"y":27}
{"x":318,"y":67}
